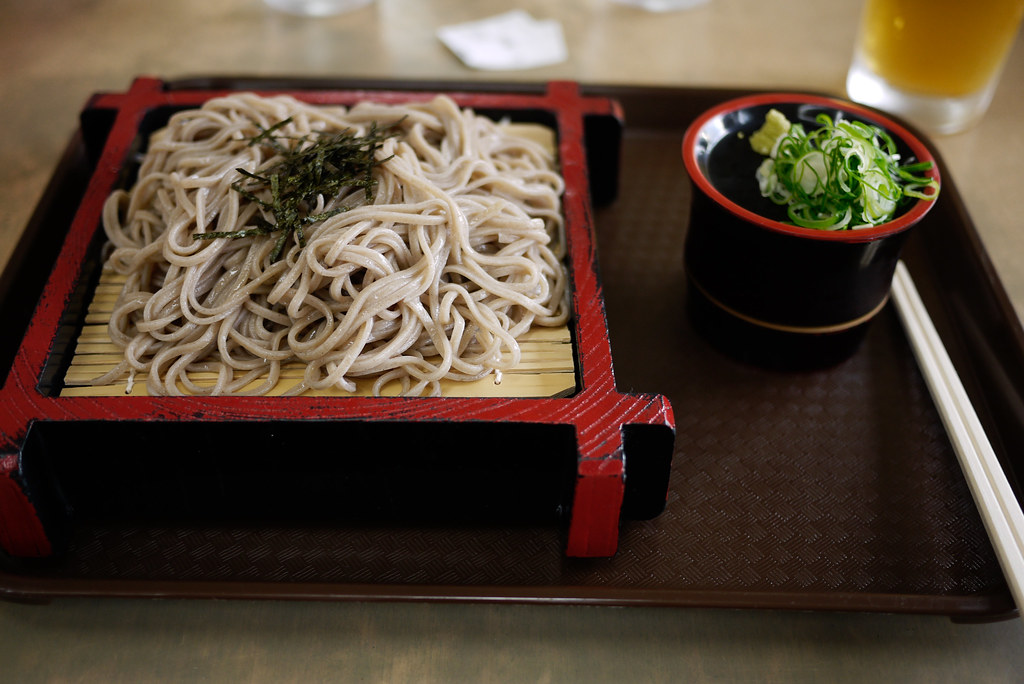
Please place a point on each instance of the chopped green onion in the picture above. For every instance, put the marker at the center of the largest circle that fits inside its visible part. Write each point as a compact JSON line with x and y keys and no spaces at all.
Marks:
{"x":841,"y":175}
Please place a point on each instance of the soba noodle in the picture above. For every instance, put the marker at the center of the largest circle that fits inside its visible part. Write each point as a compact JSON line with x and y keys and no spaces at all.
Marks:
{"x":459,"y":252}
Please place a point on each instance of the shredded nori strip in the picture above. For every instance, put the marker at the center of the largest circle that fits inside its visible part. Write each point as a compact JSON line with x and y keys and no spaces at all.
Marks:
{"x":311,"y":165}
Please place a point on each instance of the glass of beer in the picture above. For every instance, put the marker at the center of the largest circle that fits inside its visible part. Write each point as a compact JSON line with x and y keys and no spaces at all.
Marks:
{"x":934,"y":62}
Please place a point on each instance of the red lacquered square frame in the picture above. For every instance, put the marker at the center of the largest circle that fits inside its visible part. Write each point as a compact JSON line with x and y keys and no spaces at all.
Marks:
{"x":604,"y":423}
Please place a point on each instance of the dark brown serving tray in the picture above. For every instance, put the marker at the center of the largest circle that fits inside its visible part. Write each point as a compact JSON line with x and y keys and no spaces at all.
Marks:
{"x":828,"y":490}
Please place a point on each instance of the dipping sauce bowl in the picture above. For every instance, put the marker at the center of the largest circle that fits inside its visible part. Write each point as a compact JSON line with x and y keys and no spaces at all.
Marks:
{"x":764,"y":290}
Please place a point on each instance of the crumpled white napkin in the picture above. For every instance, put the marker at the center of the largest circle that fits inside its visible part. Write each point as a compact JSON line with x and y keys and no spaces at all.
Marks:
{"x":512,"y":40}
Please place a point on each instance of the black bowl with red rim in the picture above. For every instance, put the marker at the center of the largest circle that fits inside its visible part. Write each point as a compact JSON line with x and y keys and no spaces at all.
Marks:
{"x":765,"y":290}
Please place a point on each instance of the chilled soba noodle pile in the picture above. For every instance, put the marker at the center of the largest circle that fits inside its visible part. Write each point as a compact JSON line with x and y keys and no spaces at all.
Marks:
{"x":456,"y":253}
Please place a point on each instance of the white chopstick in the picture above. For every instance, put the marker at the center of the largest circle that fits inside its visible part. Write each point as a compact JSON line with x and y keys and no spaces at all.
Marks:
{"x":996,"y":502}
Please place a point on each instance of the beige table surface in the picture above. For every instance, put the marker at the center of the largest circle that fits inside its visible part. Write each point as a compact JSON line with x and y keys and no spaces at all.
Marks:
{"x":54,"y":53}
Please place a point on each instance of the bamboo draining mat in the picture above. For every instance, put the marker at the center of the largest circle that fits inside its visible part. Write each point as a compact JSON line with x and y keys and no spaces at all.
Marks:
{"x":546,"y":369}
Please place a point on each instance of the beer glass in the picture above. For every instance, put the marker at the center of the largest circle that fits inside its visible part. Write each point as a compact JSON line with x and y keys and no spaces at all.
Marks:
{"x":934,"y":62}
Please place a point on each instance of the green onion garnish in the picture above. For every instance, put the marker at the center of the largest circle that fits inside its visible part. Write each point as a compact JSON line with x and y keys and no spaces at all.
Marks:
{"x":842,"y":175}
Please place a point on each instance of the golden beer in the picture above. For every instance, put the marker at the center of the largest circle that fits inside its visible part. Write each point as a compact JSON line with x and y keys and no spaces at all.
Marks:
{"x":939,"y":48}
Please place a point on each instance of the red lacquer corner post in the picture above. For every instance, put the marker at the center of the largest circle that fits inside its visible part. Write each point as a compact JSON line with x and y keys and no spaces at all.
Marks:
{"x":21,"y":531}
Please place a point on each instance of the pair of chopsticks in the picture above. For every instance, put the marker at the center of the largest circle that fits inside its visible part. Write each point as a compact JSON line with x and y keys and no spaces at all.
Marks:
{"x":1000,"y":511}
